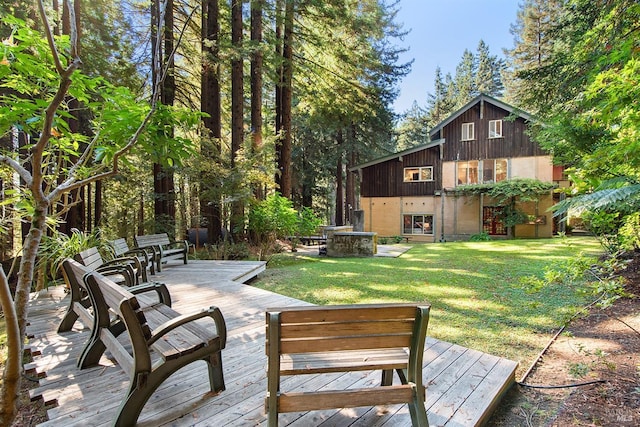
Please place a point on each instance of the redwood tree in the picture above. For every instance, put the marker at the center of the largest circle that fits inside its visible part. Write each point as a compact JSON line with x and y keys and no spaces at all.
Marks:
{"x":210,"y":104}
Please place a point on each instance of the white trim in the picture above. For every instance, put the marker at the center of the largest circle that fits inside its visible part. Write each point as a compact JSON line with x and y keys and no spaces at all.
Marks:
{"x":468,"y":132}
{"x":419,"y":170}
{"x":495,"y":129}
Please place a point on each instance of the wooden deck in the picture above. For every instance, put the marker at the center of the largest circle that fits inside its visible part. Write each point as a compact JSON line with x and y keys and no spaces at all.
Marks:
{"x":463,"y":385}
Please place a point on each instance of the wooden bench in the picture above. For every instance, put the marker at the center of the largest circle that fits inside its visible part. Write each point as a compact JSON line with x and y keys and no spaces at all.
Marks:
{"x":120,"y":248}
{"x":322,"y":339}
{"x":163,"y":247}
{"x":79,"y":302}
{"x":124,"y":270}
{"x":161,"y":341}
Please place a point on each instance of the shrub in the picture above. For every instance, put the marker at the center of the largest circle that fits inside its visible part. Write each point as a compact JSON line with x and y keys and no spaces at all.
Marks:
{"x":480,"y":237}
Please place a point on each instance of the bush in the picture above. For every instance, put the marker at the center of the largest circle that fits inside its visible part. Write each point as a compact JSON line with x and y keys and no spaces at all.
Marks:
{"x":275,"y":218}
{"x":480,"y":237}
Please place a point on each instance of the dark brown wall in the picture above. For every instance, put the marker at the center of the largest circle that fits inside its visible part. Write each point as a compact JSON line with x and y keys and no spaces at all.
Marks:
{"x":385,"y":179}
{"x":514,"y":142}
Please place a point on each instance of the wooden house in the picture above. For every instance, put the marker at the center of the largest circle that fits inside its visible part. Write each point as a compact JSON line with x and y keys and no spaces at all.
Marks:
{"x":410,"y":193}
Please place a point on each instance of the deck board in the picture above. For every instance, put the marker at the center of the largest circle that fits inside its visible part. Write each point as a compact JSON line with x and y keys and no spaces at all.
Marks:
{"x":463,"y":385}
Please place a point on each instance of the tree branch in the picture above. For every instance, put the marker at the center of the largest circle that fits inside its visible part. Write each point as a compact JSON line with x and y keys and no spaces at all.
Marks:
{"x":52,"y":44}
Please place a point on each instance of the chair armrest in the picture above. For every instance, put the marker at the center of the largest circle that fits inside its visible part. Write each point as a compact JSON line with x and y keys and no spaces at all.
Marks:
{"x":124,"y":270}
{"x":212,"y":312}
{"x":152,"y":251}
{"x":180,"y":243}
{"x":139,"y":253}
{"x":160,"y":288}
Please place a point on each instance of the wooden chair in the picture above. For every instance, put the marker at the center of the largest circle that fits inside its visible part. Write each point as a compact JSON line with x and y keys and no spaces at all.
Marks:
{"x":322,"y":339}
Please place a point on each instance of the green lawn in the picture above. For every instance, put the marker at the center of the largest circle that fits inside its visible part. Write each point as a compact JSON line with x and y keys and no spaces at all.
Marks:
{"x":476,"y":289}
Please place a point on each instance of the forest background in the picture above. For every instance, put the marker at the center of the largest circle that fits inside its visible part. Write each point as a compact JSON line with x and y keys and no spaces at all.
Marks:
{"x":249,"y":98}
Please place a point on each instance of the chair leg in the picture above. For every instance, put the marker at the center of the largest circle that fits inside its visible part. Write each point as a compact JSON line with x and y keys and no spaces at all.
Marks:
{"x":387,"y":377}
{"x":417,"y":411}
{"x":216,"y":377}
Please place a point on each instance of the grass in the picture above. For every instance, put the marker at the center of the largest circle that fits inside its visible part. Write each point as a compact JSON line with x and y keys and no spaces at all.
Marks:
{"x":477,"y":290}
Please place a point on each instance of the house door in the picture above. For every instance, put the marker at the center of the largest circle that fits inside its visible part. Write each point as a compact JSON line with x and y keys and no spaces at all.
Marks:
{"x":492,"y":221}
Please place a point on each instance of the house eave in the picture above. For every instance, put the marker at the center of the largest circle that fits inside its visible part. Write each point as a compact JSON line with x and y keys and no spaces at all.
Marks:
{"x":398,"y":155}
{"x":481,"y":98}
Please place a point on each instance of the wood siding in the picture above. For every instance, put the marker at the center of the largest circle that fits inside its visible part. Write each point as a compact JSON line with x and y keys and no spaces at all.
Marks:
{"x":386,"y":179}
{"x":513,"y":143}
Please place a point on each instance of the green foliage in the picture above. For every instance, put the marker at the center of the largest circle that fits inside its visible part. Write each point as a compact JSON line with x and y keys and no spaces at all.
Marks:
{"x":630,"y":232}
{"x":597,"y":280}
{"x":507,"y":193}
{"x":225,"y":250}
{"x":58,"y":246}
{"x":593,"y":123}
{"x":480,"y":237}
{"x":273,"y":217}
{"x":525,"y":189}
{"x":308,"y":222}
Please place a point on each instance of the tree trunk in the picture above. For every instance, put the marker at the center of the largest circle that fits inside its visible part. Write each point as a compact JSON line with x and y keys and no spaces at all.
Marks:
{"x":12,"y":364}
{"x":256,"y":86}
{"x":350,"y":190}
{"x":97,"y":217}
{"x":210,"y":104}
{"x":339,"y":184}
{"x":74,"y":217}
{"x":284,"y":162}
{"x":164,"y":206}
{"x":237,"y":108}
{"x":279,"y":12}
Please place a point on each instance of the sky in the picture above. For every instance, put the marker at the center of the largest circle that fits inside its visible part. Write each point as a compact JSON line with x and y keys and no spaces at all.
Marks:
{"x":440,"y":31}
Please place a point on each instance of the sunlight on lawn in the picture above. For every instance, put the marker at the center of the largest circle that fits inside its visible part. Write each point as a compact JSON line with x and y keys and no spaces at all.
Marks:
{"x":477,"y":290}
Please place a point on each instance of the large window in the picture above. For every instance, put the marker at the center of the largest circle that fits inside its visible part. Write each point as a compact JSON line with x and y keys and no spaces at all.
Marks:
{"x":417,"y":224}
{"x":467,"y":132}
{"x":495,"y":128}
{"x":424,"y":173}
{"x":468,"y":172}
{"x":482,"y":171}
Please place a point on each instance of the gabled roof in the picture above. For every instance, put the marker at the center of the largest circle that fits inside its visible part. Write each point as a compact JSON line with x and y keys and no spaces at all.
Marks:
{"x":481,"y":98}
{"x":398,"y":154}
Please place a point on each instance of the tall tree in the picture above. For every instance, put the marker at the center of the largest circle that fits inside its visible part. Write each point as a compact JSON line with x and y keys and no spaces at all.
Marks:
{"x":257,"y":55}
{"x":210,"y":206}
{"x":535,"y":35}
{"x":285,"y":98}
{"x":465,"y":79}
{"x":489,"y":72}
{"x":237,"y":107}
{"x":164,"y":191}
{"x":441,"y":103}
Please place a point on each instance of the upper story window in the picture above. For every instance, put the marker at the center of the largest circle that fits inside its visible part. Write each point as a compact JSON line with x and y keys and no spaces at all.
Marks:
{"x":418,"y":174}
{"x":495,"y":128}
{"x":467,"y":132}
{"x":482,"y":171}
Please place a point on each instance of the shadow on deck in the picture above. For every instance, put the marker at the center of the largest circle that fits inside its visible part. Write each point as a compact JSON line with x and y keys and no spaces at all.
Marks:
{"x":463,"y":385}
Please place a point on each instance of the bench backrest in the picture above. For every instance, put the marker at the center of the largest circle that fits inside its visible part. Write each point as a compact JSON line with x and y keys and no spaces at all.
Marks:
{"x":90,"y":258}
{"x":346,"y":327}
{"x":109,"y":297}
{"x":152,"y":240}
{"x":73,"y":273}
{"x":119,"y":246}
